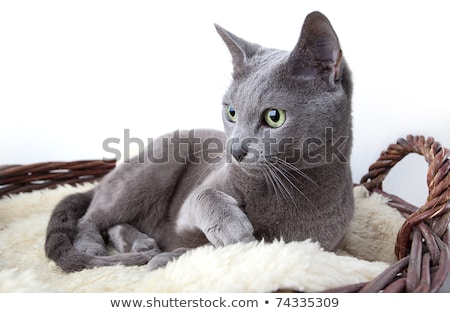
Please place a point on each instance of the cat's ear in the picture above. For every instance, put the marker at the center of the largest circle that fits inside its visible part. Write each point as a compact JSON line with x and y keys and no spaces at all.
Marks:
{"x":240,"y":49}
{"x":317,"y":52}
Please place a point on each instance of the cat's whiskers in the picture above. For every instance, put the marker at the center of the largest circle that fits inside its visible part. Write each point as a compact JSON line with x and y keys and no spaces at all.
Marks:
{"x":277,"y":185}
{"x":289,"y":177}
{"x":289,"y":166}
{"x":281,"y":178}
{"x":294,"y":169}
{"x":269,"y":180}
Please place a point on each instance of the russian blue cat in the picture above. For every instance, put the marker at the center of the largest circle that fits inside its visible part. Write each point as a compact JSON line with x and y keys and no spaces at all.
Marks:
{"x":279,"y":170}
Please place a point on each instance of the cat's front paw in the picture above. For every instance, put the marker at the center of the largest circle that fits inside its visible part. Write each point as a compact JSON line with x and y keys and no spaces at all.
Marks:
{"x":230,"y":230}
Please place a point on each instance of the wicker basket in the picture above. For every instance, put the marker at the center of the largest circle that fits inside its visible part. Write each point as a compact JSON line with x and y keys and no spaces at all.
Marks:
{"x":423,"y":242}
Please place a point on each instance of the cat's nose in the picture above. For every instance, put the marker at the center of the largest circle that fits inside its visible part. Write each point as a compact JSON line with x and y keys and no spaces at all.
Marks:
{"x":239,"y":151}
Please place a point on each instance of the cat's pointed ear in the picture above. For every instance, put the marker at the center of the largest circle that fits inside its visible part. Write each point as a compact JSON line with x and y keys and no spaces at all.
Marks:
{"x":317,"y":52}
{"x":240,"y":49}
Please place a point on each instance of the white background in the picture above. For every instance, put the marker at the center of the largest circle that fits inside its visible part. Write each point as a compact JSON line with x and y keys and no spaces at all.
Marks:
{"x":74,"y":73}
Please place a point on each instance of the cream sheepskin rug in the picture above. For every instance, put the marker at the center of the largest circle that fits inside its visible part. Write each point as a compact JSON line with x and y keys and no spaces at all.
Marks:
{"x":250,"y":267}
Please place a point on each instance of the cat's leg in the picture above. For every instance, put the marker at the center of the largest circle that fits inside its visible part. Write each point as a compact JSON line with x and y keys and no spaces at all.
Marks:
{"x":217,"y":215}
{"x":127,"y":238}
{"x":100,"y":216}
{"x":89,"y":239}
{"x":141,"y":248}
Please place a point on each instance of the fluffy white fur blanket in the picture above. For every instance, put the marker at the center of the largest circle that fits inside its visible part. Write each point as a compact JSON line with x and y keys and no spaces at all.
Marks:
{"x":250,"y":267}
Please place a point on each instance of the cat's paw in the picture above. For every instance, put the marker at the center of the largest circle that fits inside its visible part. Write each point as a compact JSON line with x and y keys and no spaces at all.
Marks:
{"x":145,"y":244}
{"x":162,"y":259}
{"x":230,"y":230}
{"x":91,"y":248}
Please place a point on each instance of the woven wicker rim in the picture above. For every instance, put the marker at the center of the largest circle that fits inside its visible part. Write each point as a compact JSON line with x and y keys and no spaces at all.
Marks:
{"x":423,"y":242}
{"x":23,"y":178}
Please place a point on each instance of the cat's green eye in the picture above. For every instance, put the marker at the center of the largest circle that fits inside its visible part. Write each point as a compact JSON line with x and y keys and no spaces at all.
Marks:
{"x":231,"y":113}
{"x":274,"y":117}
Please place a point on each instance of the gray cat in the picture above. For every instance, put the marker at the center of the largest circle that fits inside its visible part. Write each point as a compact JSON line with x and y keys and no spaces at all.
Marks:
{"x":280,"y":170}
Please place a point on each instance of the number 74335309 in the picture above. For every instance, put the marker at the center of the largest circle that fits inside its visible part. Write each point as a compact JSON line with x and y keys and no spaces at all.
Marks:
{"x":307,"y":302}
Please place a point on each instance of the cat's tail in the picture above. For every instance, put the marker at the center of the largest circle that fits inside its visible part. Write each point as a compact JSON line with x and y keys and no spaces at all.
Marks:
{"x":61,"y":232}
{"x":62,"y":229}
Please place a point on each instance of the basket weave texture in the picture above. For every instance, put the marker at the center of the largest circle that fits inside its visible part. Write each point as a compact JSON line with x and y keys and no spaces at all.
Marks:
{"x":423,"y":242}
{"x":23,"y":178}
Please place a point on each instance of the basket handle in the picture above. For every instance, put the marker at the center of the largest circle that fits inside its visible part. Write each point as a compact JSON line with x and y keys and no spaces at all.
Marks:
{"x":436,"y":210}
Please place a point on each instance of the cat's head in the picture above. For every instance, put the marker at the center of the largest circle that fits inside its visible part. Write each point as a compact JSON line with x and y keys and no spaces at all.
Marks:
{"x":293,"y":106}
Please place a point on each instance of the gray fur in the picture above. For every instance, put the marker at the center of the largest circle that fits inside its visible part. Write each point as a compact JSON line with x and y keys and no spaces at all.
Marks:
{"x":155,"y":211}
